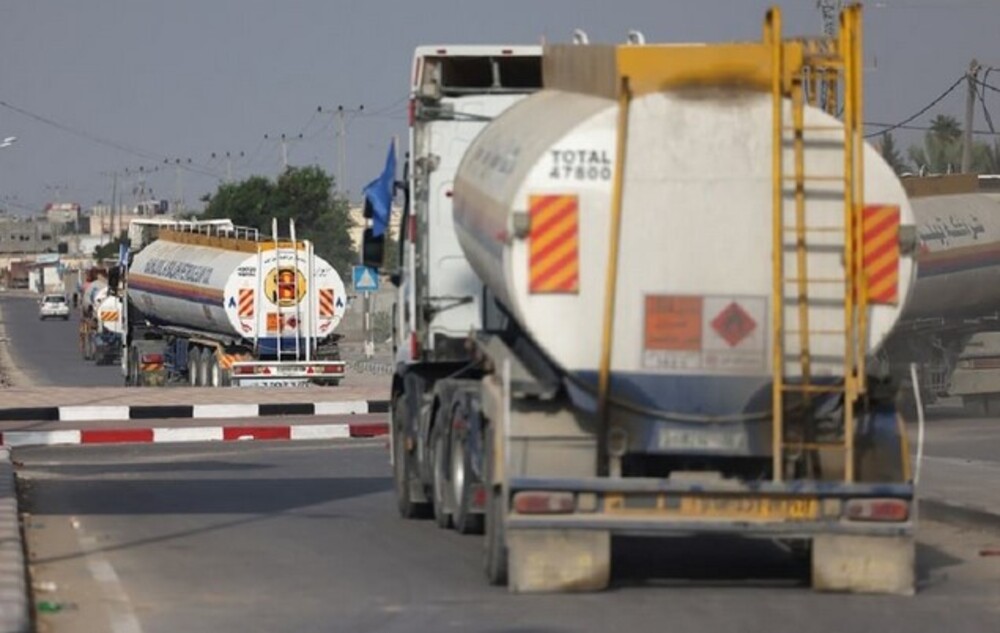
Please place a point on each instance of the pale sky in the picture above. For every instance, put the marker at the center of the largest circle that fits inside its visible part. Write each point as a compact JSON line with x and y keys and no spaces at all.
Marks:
{"x":143,"y":81}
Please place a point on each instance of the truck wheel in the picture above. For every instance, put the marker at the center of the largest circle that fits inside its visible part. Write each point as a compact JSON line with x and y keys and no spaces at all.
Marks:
{"x":214,"y":372}
{"x":402,"y":464}
{"x":204,"y":362}
{"x":495,"y":554}
{"x":439,"y":458}
{"x":462,"y":489}
{"x":194,"y":353}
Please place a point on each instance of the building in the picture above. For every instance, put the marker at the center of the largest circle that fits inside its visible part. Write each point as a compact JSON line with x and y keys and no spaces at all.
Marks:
{"x":102,"y":221}
{"x":63,"y":213}
{"x":20,"y":236}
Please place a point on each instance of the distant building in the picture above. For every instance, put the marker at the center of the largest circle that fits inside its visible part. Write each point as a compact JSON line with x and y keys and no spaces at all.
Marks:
{"x":28,"y":236}
{"x":67,"y":213}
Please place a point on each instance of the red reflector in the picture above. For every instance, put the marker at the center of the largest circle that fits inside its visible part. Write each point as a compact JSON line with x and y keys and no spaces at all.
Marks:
{"x":332,"y":369}
{"x":544,"y":502}
{"x":243,"y":370}
{"x":413,"y":111}
{"x":150,"y":359}
{"x":411,"y":229}
{"x":507,"y":51}
{"x":442,"y":51}
{"x":414,"y":346}
{"x":448,"y":193}
{"x":878,"y":510}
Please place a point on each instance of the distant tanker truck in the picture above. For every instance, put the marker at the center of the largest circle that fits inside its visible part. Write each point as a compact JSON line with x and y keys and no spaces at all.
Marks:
{"x":212,"y":304}
{"x":100,"y":319}
{"x":640,"y":290}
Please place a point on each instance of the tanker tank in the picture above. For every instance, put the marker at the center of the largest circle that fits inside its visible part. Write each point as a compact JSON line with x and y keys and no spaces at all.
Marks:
{"x":692,"y":332}
{"x":231,"y":287}
{"x":958,"y":260}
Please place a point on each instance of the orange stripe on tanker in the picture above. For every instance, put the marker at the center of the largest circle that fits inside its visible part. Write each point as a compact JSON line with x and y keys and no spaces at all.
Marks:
{"x":553,"y":264}
{"x":880,"y":252}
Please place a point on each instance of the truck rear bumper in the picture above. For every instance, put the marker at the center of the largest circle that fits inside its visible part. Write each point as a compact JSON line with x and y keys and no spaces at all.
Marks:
{"x":657,"y":507}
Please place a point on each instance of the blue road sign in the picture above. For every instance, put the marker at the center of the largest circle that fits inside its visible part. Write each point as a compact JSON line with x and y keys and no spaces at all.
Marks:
{"x":365,"y":279}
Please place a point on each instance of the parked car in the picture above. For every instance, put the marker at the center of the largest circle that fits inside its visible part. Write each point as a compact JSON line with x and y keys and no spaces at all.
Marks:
{"x":53,"y":307}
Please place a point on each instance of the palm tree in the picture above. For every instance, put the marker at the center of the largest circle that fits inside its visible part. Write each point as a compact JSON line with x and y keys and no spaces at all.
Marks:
{"x":942,"y":149}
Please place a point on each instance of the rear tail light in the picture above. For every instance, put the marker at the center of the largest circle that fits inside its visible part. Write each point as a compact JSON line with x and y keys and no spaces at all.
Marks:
{"x":243,"y":370}
{"x":414,"y":346}
{"x":540,"y":502}
{"x":151,"y":359}
{"x":332,"y":369}
{"x":412,"y":111}
{"x":877,"y":510}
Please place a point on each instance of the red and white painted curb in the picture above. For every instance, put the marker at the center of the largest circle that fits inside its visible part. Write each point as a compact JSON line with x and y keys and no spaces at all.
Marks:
{"x":193,"y":434}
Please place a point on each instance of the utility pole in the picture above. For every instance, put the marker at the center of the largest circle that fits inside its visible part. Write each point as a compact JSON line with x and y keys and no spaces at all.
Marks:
{"x":341,"y":114}
{"x":970,"y":108}
{"x":284,"y":140}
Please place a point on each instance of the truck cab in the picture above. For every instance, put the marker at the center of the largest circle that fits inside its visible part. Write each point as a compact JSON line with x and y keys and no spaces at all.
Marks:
{"x":456,"y":91}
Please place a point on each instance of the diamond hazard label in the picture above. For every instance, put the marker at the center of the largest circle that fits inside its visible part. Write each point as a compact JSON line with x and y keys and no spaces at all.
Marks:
{"x":733,"y":324}
{"x":710,"y":334}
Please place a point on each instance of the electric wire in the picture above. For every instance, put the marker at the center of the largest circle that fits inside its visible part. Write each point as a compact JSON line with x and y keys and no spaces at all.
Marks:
{"x":920,"y":112}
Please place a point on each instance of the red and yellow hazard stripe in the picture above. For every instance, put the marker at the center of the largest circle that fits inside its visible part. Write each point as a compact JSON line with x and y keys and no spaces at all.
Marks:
{"x":326,"y":302}
{"x":226,"y":360}
{"x":109,"y":315}
{"x":246,"y":303}
{"x":880,"y":252}
{"x":554,"y":252}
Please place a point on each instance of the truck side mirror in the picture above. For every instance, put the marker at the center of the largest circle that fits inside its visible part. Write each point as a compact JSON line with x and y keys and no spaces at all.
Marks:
{"x":372,"y":249}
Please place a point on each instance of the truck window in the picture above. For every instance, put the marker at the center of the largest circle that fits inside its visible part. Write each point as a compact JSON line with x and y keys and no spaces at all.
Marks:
{"x":460,"y":75}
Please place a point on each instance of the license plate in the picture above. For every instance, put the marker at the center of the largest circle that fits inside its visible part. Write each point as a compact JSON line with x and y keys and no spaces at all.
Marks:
{"x":755,"y":508}
{"x":272,"y":382}
{"x":703,"y":439}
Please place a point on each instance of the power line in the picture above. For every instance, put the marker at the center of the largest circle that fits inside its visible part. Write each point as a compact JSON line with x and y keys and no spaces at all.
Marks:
{"x":930,"y":105}
{"x":920,"y":128}
{"x":103,"y":141}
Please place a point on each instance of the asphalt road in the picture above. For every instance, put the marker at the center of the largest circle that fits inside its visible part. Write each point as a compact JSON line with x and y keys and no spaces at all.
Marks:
{"x":48,"y":352}
{"x":304,"y":537}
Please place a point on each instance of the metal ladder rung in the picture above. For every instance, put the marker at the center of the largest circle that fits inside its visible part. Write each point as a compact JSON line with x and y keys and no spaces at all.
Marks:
{"x":815,"y":445}
{"x":811,"y":388}
{"x":817,"y":332}
{"x":817,"y":128}
{"x":793,"y":177}
{"x":815,"y":229}
{"x":815,"y":280}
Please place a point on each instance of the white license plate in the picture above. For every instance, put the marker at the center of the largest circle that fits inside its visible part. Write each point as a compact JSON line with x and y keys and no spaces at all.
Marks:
{"x":708,"y":439}
{"x":275,"y":382}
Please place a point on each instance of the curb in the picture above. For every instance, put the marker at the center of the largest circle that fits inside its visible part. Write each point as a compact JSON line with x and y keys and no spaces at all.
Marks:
{"x":958,"y":514}
{"x":193,"y":434}
{"x":13,"y":583}
{"x":76,"y":413}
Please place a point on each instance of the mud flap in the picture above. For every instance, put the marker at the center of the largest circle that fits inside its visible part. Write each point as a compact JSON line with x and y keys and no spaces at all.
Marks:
{"x":864,"y":564}
{"x":550,"y":561}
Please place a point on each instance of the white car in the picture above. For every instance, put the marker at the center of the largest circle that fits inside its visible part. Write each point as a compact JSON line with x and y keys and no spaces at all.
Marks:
{"x":53,"y":307}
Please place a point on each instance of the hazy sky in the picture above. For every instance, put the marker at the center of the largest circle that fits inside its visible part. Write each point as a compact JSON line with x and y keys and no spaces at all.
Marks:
{"x":143,"y":81}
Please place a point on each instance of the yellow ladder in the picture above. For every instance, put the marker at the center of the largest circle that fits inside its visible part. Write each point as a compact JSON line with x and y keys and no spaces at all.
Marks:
{"x":796,"y":72}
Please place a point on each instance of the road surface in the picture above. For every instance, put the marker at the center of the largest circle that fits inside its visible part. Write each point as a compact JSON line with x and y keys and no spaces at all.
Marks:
{"x":48,"y":352}
{"x":304,"y":536}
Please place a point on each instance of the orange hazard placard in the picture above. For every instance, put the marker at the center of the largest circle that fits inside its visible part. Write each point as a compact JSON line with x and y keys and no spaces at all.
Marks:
{"x":553,"y":265}
{"x":326,"y":302}
{"x":880,"y":249}
{"x":673,"y":323}
{"x":246,"y":303}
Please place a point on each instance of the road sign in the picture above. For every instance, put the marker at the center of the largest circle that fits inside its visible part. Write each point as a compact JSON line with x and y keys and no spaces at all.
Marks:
{"x":365,"y":279}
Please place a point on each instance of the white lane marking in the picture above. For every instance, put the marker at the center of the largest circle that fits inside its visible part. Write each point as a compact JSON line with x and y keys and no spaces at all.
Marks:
{"x":90,"y":413}
{"x":319,"y":431}
{"x":225,"y":410}
{"x":34,"y":438}
{"x":188,"y":434}
{"x":340,"y":408}
{"x":119,"y":606}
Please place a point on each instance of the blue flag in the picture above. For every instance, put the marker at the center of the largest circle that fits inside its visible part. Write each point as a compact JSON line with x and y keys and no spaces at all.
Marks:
{"x":122,"y":254}
{"x":378,"y":194}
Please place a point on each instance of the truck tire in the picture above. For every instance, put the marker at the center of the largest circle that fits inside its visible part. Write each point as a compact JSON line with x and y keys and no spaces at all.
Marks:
{"x":194,"y":354}
{"x":402,"y":464}
{"x":495,"y":543}
{"x":204,"y":362}
{"x":214,"y":372}
{"x":439,"y":458}
{"x":462,"y":488}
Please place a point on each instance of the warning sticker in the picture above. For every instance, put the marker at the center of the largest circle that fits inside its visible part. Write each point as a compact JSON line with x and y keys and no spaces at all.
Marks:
{"x":717,"y":334}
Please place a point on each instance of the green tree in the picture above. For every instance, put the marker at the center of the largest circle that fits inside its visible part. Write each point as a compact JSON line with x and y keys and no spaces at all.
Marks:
{"x":107,"y":251}
{"x":304,"y":194}
{"x":941,"y":152}
{"x":890,"y":152}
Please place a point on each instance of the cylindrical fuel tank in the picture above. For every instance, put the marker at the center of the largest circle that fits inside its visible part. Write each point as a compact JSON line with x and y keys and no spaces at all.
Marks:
{"x":958,"y":263}
{"x":692,"y":329}
{"x":108,"y":314}
{"x":232,"y":287}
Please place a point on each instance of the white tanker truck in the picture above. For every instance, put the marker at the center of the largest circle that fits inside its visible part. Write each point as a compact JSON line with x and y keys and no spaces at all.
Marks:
{"x":951,"y":325}
{"x":214,"y":305}
{"x":644,"y":300}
